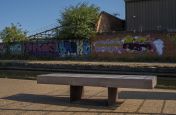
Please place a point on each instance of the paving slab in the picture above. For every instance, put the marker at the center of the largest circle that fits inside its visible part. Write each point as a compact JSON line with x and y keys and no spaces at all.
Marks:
{"x":152,"y":106}
{"x":130,"y":106}
{"x":26,"y":97}
{"x":170,"y":107}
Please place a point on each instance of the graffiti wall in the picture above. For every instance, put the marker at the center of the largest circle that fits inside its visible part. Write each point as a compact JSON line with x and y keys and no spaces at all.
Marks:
{"x":108,"y":46}
{"x":129,"y":45}
{"x":86,"y":47}
{"x":63,"y":48}
{"x":143,"y":44}
{"x":42,"y":48}
{"x":2,"y":49}
{"x":74,"y":48}
{"x":67,"y":48}
{"x":126,"y":45}
{"x":83,"y":47}
{"x":16,"y":48}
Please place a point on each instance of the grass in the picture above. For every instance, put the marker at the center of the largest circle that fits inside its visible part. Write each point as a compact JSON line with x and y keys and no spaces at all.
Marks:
{"x":164,"y":82}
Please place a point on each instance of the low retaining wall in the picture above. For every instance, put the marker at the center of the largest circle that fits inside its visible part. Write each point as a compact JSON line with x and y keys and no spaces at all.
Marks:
{"x":135,"y":46}
{"x":122,"y":46}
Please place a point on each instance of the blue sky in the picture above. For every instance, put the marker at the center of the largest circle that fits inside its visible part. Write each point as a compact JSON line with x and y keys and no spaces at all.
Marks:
{"x":38,"y":15}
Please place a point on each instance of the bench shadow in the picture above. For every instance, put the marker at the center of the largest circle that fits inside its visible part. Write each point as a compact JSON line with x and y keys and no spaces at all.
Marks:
{"x":62,"y":101}
{"x":97,"y":103}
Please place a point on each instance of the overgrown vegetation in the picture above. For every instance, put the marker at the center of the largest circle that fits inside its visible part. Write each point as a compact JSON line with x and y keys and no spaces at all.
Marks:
{"x":78,"y":22}
{"x":13,"y":33}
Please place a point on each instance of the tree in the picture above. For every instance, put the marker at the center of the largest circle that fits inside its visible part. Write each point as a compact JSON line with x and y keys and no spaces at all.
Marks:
{"x":13,"y":33}
{"x":78,"y":22}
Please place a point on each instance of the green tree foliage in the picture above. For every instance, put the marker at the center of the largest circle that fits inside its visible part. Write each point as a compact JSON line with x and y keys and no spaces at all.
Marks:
{"x":13,"y":33}
{"x":79,"y":22}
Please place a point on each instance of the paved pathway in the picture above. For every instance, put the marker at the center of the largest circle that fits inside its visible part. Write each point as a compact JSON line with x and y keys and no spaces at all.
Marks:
{"x":23,"y":97}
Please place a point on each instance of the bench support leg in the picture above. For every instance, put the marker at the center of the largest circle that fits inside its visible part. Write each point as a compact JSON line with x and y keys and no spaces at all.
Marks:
{"x":76,"y":93}
{"x":112,"y":96}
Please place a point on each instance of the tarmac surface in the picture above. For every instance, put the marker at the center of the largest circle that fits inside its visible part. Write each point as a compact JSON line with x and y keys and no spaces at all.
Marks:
{"x":26,"y":97}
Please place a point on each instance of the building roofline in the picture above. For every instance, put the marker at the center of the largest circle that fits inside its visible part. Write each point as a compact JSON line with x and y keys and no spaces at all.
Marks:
{"x":103,"y":12}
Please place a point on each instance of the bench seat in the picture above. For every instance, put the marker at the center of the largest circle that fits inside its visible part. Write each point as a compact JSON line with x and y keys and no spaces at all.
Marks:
{"x":112,"y":82}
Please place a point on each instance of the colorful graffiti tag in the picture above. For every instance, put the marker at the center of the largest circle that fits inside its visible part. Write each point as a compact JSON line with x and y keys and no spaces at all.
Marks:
{"x":86,"y":48}
{"x":83,"y":47}
{"x":16,"y":49}
{"x":138,"y":47}
{"x":159,"y":46}
{"x":129,"y":44}
{"x":63,"y":48}
{"x":74,"y":48}
{"x":42,"y":48}
{"x":2,"y":48}
{"x":67,"y":48}
{"x":105,"y":46}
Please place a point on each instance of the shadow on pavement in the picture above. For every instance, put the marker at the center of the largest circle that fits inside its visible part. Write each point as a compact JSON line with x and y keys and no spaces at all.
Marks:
{"x":62,"y":101}
{"x":90,"y":103}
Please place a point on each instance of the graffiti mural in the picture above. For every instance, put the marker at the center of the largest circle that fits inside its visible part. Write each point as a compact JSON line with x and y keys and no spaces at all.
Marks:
{"x":141,"y":47}
{"x":29,"y":48}
{"x":159,"y":46}
{"x":63,"y":48}
{"x":15,"y":49}
{"x":86,"y":47}
{"x":73,"y":48}
{"x":42,"y":48}
{"x":129,"y":44}
{"x":2,"y":49}
{"x":108,"y":46}
{"x":83,"y":47}
{"x":138,"y":44}
{"x":67,"y":48}
{"x":142,"y":44}
{"x":152,"y":45}
{"x":79,"y":44}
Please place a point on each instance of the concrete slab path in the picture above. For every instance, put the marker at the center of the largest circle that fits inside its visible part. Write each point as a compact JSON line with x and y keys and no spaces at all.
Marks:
{"x":25,"y":97}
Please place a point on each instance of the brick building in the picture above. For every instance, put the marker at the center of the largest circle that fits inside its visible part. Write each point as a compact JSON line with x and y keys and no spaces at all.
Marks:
{"x":109,"y":23}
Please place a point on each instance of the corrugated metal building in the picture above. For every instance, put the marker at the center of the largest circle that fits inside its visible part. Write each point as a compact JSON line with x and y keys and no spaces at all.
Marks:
{"x":151,"y":15}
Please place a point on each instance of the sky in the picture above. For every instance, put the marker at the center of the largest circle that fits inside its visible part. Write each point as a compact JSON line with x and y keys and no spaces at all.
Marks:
{"x":38,"y":15}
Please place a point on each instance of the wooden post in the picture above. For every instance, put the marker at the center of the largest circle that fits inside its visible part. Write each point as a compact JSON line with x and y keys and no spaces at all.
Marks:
{"x":112,"y":96}
{"x":76,"y":93}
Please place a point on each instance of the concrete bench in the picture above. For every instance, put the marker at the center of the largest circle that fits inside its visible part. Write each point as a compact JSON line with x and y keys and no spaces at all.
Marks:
{"x":112,"y":82}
